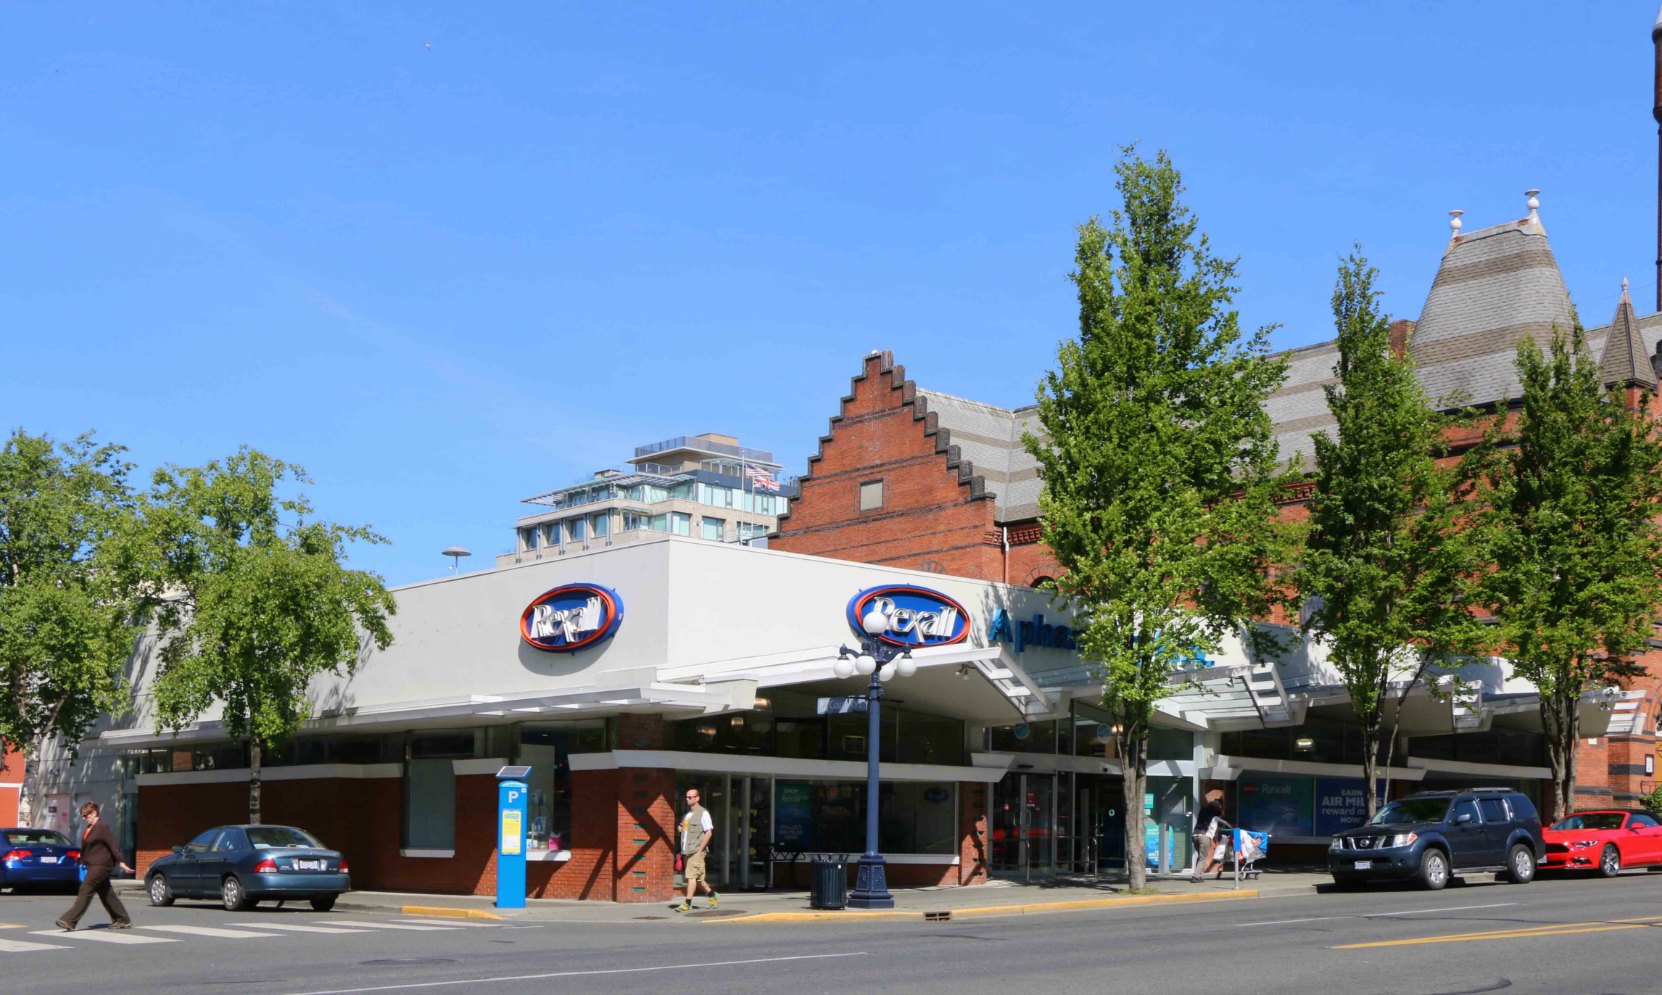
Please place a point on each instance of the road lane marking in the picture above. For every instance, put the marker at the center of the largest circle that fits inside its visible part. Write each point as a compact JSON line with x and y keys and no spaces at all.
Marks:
{"x":452,"y":923}
{"x":294,"y":927}
{"x":366,"y":924}
{"x":214,"y":931}
{"x":102,"y":936}
{"x":581,"y":974}
{"x":24,"y":946}
{"x":1521,"y":933}
{"x":1379,"y":915}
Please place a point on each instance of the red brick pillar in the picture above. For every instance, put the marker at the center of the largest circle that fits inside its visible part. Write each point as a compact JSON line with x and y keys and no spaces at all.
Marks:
{"x":972,"y":833}
{"x":645,"y":835}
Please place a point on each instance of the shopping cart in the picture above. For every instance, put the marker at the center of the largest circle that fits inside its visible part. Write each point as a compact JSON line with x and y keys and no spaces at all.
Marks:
{"x":1247,"y":849}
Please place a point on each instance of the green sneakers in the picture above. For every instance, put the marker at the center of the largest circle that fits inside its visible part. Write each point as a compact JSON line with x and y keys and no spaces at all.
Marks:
{"x":684,"y":907}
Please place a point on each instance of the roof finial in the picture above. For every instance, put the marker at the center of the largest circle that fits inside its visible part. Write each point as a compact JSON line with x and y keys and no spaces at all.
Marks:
{"x":1624,"y":288}
{"x":1533,"y":203}
{"x":1454,"y":223}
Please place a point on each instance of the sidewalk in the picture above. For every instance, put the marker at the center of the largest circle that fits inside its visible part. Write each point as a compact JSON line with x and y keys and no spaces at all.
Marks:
{"x":998,"y":898}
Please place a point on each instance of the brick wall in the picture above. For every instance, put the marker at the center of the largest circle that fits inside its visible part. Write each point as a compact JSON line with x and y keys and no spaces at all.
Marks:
{"x":935,"y":512}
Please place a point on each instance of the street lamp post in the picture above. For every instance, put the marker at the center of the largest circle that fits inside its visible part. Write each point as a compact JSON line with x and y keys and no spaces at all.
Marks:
{"x":881,"y":661}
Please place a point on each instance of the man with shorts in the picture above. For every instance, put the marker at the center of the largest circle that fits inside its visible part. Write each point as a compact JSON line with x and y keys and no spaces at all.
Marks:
{"x":696,"y":830}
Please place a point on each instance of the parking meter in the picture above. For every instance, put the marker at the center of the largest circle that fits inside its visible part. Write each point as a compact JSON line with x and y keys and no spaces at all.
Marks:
{"x":512,"y":798}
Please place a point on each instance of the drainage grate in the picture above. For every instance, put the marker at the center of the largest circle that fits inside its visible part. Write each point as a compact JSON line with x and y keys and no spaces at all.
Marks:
{"x":937,"y":916}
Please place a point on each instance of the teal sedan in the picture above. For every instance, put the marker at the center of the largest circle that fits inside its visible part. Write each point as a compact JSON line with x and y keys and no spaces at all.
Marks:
{"x":245,"y":865}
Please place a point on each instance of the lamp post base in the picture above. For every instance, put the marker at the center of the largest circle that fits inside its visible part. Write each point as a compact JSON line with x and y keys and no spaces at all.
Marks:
{"x":871,"y":884}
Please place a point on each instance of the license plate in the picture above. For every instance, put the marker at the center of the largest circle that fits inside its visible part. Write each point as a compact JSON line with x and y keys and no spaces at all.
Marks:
{"x":48,"y":860}
{"x":1363,"y":865}
{"x":308,"y":865}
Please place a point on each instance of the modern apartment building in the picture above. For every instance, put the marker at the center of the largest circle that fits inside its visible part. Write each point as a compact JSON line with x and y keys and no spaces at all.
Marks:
{"x":703,"y":486}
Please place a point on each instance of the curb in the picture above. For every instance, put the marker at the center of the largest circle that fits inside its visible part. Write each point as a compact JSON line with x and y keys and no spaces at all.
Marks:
{"x":447,"y":912}
{"x":1032,"y":908}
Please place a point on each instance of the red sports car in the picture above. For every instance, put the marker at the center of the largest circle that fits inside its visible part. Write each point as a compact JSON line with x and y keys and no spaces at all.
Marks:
{"x":1605,"y":840}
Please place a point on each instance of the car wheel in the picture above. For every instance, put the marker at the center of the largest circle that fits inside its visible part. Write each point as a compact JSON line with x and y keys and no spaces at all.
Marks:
{"x":1520,"y":865}
{"x":323,"y":903}
{"x":1433,"y":870}
{"x":161,"y":893}
{"x":1610,"y":861}
{"x":231,"y":893}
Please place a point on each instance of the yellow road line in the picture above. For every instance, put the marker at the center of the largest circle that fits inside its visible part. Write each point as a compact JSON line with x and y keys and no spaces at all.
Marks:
{"x":1520,"y":933}
{"x":12,"y":925}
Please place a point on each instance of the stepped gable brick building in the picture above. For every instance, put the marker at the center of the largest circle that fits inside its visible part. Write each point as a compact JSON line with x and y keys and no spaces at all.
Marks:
{"x":909,"y":477}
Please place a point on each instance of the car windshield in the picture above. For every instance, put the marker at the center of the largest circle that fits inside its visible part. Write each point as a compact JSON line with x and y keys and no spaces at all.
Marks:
{"x":1411,"y":810}
{"x":280,"y":837}
{"x":34,"y":837}
{"x":1592,"y":820}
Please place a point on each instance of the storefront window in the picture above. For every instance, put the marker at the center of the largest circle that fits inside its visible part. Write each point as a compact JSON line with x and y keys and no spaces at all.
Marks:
{"x":830,"y":816}
{"x":546,"y":747}
{"x":430,"y":788}
{"x":1023,"y":737}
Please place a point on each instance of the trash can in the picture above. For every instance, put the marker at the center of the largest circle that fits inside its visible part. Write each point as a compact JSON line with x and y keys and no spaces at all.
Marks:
{"x":830,"y":883}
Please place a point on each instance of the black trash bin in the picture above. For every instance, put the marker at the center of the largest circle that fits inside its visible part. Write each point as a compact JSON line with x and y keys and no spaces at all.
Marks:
{"x":830,"y":883}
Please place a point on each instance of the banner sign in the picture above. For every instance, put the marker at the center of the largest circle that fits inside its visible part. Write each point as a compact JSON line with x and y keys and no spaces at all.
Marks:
{"x":1341,"y":804}
{"x":1281,"y":805}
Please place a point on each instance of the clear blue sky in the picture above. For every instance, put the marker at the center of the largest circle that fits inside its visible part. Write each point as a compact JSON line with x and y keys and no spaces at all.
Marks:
{"x":448,"y":256}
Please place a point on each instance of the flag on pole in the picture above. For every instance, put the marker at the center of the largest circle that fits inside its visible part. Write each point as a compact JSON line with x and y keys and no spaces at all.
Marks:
{"x":759,"y":477}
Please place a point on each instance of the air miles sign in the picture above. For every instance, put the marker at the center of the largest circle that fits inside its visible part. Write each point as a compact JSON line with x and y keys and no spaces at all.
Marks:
{"x":571,"y":617}
{"x":916,"y":616}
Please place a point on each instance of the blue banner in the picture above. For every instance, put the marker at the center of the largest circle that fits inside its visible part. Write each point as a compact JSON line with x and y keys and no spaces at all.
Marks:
{"x":1278,"y":804}
{"x":1341,"y":803}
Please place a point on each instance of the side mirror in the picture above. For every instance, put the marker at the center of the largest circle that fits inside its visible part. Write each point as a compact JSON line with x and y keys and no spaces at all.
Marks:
{"x":178,"y":849}
{"x":1462,"y":818}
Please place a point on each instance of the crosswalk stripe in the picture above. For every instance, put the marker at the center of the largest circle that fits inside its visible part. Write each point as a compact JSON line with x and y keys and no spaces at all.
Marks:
{"x":452,"y":923}
{"x":102,"y":936}
{"x":386,"y":925}
{"x":215,"y":931}
{"x":23,"y":946}
{"x":294,"y":927}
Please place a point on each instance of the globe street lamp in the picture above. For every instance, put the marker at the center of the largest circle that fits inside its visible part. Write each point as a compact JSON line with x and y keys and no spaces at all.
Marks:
{"x":880,"y":660}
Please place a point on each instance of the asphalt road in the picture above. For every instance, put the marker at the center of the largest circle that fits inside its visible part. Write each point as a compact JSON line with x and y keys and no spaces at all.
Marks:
{"x":1587,"y":937}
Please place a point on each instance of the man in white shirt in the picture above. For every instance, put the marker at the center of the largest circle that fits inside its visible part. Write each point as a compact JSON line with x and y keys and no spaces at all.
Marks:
{"x":696,"y":831}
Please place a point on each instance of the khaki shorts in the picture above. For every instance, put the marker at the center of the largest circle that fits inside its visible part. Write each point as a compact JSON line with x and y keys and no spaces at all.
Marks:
{"x":695,"y":867}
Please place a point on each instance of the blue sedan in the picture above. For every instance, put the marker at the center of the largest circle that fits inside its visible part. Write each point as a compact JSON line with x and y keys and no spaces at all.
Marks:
{"x":37,"y":858}
{"x":242,"y":865}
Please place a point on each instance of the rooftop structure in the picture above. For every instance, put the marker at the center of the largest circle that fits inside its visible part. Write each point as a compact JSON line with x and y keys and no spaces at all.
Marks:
{"x":704,"y":486}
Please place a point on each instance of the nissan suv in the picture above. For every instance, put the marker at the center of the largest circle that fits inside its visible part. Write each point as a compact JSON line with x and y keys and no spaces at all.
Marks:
{"x":1433,"y":835}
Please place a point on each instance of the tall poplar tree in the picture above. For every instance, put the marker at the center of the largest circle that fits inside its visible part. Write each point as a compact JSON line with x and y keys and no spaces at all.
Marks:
{"x":69,"y":599}
{"x":260,"y":602}
{"x":1158,"y":462}
{"x":1386,"y":565}
{"x":1571,"y":528}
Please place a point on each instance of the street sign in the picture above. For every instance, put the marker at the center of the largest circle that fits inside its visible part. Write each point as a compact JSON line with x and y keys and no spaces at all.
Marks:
{"x":842,"y":705}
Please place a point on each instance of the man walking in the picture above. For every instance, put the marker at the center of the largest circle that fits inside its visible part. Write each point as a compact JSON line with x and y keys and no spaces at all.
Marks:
{"x":100,"y":856}
{"x":696,"y":830}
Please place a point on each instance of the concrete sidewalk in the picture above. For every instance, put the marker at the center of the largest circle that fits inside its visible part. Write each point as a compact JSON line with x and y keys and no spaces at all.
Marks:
{"x":998,"y":898}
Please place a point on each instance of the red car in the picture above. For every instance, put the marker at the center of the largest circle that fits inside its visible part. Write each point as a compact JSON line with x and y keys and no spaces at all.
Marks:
{"x":1605,"y":840}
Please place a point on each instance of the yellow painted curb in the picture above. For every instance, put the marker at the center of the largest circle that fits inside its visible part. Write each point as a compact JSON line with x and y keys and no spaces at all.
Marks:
{"x":446,"y":912}
{"x":1031,"y":908}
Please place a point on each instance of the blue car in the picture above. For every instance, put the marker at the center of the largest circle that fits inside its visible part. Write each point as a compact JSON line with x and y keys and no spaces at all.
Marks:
{"x":37,"y":858}
{"x":243,"y":865}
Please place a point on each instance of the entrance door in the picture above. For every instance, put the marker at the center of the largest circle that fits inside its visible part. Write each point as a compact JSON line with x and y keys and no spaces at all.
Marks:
{"x":1024,"y":824}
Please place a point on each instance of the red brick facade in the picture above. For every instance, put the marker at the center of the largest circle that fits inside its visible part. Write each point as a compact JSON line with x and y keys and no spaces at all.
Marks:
{"x":938,"y":516}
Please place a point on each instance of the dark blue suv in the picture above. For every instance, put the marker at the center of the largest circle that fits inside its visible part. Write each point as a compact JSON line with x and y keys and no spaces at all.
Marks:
{"x":1434,"y":835}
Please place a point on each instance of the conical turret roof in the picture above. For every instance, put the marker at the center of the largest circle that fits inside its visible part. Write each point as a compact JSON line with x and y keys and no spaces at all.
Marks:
{"x":1625,"y":362}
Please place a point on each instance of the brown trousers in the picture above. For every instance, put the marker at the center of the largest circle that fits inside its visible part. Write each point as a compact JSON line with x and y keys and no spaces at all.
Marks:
{"x":97,"y":883}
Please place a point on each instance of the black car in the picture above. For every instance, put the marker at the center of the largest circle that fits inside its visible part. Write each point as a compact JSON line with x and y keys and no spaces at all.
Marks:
{"x":1433,"y":835}
{"x":241,"y":865}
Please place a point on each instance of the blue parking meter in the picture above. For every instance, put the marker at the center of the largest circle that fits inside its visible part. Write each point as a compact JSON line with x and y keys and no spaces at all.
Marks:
{"x":512,"y":797}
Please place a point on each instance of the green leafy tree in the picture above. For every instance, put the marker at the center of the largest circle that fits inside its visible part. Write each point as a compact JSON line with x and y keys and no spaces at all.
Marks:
{"x":69,"y":606}
{"x":1157,"y":458}
{"x":1570,"y":526}
{"x":260,"y":602}
{"x":1386,"y":564}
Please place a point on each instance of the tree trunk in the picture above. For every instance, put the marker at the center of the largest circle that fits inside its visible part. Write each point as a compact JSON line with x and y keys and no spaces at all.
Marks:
{"x":254,"y":782}
{"x":1134,"y":762}
{"x":1563,"y":728}
{"x":1370,"y":762}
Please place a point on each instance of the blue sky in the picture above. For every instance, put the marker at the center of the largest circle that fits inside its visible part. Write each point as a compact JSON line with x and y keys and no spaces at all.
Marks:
{"x":448,"y":256}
